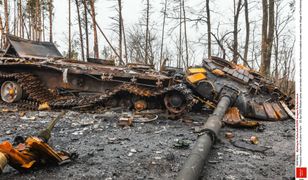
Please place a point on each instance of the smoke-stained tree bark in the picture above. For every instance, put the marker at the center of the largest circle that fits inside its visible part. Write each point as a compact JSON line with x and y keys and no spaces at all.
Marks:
{"x":38,"y":21}
{"x":180,"y":55}
{"x":185,"y":34}
{"x":80,"y":29}
{"x":86,"y":27}
{"x":237,"y":10}
{"x":69,"y":30}
{"x":50,"y":11}
{"x":96,"y":52}
{"x":21,"y":19}
{"x":6,"y":15}
{"x":268,"y":23}
{"x":247,"y":25}
{"x":120,"y":31}
{"x":125,"y":43}
{"x":147,"y":32}
{"x":1,"y":32}
{"x":163,"y":35}
{"x":270,"y":36}
{"x":209,"y":40}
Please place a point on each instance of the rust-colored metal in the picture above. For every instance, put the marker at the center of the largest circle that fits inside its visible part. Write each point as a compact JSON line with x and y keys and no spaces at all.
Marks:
{"x":218,"y":72}
{"x":271,"y":114}
{"x":140,"y":105}
{"x":30,"y":153}
{"x":232,"y":116}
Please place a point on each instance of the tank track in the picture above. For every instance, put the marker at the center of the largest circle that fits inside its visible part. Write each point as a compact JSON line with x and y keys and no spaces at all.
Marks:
{"x":37,"y":94}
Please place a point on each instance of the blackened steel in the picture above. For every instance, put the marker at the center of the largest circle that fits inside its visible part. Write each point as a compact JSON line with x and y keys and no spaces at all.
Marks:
{"x":195,"y":163}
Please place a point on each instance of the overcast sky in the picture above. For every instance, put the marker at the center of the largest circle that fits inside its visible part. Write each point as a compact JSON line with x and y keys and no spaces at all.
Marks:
{"x":132,"y":11}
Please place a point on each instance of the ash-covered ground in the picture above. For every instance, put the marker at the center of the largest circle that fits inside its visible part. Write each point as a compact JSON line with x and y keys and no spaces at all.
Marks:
{"x":155,"y":150}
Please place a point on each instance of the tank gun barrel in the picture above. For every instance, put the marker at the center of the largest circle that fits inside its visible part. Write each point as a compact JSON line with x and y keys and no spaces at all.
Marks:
{"x":195,"y":163}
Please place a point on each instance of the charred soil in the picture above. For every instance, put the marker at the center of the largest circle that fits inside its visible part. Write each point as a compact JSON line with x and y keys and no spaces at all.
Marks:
{"x":155,"y":150}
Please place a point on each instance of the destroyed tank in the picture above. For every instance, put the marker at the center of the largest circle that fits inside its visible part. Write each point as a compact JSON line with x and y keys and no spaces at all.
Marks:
{"x":256,"y":96}
{"x":34,"y":74}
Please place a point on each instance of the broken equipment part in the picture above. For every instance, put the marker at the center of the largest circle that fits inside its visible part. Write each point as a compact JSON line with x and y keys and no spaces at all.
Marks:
{"x":3,"y":162}
{"x":32,"y":152}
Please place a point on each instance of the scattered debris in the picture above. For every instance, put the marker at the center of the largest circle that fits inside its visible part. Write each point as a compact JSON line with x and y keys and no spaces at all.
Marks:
{"x":22,"y":114}
{"x":181,"y":144}
{"x":6,"y":110}
{"x":25,"y":118}
{"x":254,"y":140}
{"x":44,"y":106}
{"x":34,"y":151}
{"x":125,"y":120}
{"x":145,"y":118}
{"x":229,"y":135}
{"x":234,"y":118}
{"x":248,"y":146}
{"x":132,"y":152}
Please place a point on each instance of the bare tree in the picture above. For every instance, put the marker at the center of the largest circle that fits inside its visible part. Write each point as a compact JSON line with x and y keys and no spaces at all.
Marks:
{"x":1,"y":32}
{"x":120,"y":30}
{"x":86,"y":27}
{"x":96,"y":52}
{"x":15,"y":27}
{"x":50,"y":9}
{"x":125,"y":43}
{"x":247,"y":24}
{"x":80,"y":29}
{"x":185,"y":34}
{"x":21,"y":19}
{"x":237,"y":10}
{"x":69,"y":30}
{"x":209,"y":41}
{"x":281,"y":23}
{"x":147,"y":31}
{"x":38,"y":20}
{"x":220,"y":39}
{"x":6,"y":15}
{"x":163,"y":34}
{"x":180,"y":54}
{"x":268,"y":23}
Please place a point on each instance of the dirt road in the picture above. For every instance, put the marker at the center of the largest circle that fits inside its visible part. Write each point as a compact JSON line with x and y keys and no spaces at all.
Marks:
{"x":153,"y":150}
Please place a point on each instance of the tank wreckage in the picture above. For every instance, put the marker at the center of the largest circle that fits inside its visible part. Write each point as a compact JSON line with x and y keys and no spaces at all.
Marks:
{"x":34,"y":75}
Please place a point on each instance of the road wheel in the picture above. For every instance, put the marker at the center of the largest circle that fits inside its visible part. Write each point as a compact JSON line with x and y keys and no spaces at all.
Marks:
{"x":11,"y":92}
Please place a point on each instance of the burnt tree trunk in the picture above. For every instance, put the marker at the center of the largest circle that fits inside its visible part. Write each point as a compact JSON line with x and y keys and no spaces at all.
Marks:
{"x":237,"y":10}
{"x":147,"y":32}
{"x":209,"y":41}
{"x":43,"y":22}
{"x":268,"y":23}
{"x":80,"y":30}
{"x":86,"y":27}
{"x":185,"y":35}
{"x":125,"y":44}
{"x":96,"y":52}
{"x":50,"y":8}
{"x":270,"y":36}
{"x":1,"y":32}
{"x":180,"y":60}
{"x":247,"y":23}
{"x":163,"y":35}
{"x":120,"y":32}
{"x":69,"y":30}
{"x":6,"y":15}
